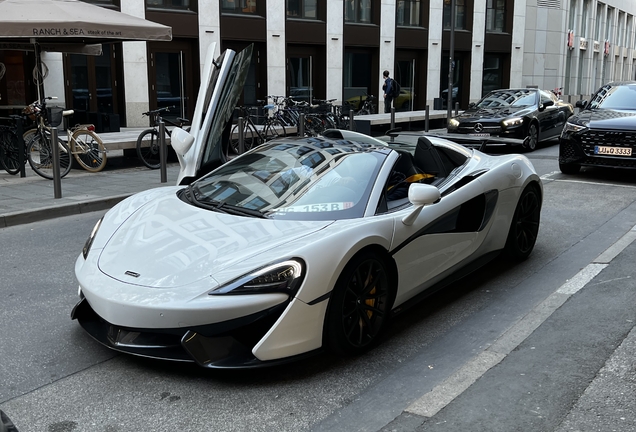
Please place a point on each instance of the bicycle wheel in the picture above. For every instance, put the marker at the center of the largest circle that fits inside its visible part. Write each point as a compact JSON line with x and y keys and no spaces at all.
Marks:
{"x":40,"y":156}
{"x":274,"y":128}
{"x":9,"y":152}
{"x":89,"y":150}
{"x":148,"y":148}
{"x":250,"y":138}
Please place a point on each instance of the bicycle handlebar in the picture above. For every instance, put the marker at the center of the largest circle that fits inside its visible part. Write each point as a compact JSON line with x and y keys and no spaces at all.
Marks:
{"x":158,"y":110}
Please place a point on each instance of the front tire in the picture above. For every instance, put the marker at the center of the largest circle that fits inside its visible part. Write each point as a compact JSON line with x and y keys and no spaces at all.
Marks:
{"x":532,"y":139}
{"x":359,"y":305}
{"x":40,"y":156}
{"x":525,"y":225}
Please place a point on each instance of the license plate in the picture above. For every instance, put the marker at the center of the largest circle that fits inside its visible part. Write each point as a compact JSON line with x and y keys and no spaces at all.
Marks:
{"x":613,"y":151}
{"x":480,"y":134}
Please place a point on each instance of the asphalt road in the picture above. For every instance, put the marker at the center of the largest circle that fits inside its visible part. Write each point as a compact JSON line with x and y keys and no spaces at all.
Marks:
{"x":55,"y":378}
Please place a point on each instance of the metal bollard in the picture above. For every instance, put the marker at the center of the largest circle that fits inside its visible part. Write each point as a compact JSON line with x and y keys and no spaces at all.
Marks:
{"x":163,"y":151}
{"x":456,"y":108}
{"x":426,"y":118}
{"x":352,"y":123}
{"x":57,"y":179}
{"x":241,"y":137}
{"x":301,"y":125}
{"x":392,"y":117}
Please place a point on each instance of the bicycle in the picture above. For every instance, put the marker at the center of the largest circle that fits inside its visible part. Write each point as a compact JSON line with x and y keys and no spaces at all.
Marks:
{"x":148,"y":140}
{"x":253,"y":136}
{"x":368,"y":106}
{"x":39,"y":150}
{"x":85,"y":145}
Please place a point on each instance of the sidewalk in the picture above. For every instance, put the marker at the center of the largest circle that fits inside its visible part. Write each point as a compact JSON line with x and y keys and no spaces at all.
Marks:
{"x":31,"y":198}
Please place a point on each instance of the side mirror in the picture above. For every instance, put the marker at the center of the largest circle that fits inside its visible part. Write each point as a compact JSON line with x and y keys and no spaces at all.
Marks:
{"x":580,"y":104}
{"x":420,"y":195}
{"x":181,"y":141}
{"x":472,"y":105}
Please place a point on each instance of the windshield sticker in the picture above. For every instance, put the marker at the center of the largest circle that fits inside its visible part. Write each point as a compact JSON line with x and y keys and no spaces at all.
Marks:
{"x":311,"y":208}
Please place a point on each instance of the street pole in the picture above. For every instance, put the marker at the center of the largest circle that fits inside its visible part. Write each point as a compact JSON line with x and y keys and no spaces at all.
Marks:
{"x":451,"y":62}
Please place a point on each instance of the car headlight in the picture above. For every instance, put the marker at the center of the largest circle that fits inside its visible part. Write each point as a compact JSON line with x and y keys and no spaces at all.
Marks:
{"x":89,"y":241}
{"x":514,"y":121}
{"x":284,"y":277}
{"x":453,"y":123}
{"x":572,"y":128}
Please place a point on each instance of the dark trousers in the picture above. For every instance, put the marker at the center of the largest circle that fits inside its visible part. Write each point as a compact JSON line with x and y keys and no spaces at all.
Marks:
{"x":388,"y":101}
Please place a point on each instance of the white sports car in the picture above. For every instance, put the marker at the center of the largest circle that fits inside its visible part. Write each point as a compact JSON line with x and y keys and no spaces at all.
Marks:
{"x":298,"y":245}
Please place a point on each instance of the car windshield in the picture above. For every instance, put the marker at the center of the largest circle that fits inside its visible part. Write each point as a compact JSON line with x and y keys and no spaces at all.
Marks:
{"x":316,"y":179}
{"x":620,"y":97}
{"x":508,"y":98}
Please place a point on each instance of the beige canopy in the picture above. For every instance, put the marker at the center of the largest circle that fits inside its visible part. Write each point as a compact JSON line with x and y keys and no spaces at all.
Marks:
{"x":64,"y":21}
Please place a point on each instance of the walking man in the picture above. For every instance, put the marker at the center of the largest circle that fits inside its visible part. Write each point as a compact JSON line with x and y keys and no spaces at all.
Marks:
{"x":388,"y":91}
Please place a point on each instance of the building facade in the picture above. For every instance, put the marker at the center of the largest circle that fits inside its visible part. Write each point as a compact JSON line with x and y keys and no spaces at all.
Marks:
{"x":337,"y":49}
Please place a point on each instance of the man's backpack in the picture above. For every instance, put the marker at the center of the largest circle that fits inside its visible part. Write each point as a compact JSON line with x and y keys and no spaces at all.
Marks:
{"x":395,"y":88}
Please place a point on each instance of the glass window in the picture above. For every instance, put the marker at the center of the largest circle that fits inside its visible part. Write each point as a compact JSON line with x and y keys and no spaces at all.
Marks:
{"x":493,"y":74}
{"x":239,"y":6}
{"x":358,"y":11}
{"x":495,"y":15}
{"x":460,"y":14}
{"x":621,"y":97}
{"x":307,"y":9}
{"x":409,"y":13}
{"x":169,"y":4}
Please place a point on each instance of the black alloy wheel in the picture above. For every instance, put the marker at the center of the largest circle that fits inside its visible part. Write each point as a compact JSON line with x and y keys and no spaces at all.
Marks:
{"x":359,"y":306}
{"x":525,"y":225}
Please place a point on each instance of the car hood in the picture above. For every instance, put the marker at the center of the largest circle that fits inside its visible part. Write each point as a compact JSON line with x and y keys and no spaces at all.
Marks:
{"x":168,"y":243}
{"x":606,"y":119}
{"x":475,"y":114}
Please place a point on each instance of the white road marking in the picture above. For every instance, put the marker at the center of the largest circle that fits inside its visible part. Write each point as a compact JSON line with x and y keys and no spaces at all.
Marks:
{"x":432,"y":402}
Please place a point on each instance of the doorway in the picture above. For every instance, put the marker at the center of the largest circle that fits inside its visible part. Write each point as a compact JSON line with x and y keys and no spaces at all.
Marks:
{"x":171,"y":76}
{"x":405,"y":75}
{"x":305,"y":79}
{"x":91,"y":87}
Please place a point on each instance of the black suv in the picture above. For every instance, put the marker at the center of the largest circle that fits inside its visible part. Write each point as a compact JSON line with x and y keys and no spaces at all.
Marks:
{"x":603,"y":133}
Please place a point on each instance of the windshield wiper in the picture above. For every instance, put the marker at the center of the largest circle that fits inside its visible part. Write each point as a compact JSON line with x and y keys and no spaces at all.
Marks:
{"x":221,"y":206}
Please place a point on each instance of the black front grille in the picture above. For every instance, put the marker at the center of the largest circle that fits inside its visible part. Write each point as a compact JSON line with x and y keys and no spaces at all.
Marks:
{"x":484,"y":129}
{"x":592,"y":138}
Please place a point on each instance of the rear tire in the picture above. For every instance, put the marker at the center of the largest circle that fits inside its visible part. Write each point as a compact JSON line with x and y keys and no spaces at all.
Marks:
{"x":274,"y":129}
{"x":250,"y":138}
{"x":89,"y":150}
{"x":359,"y":306}
{"x":40,"y":156}
{"x":148,"y":148}
{"x":525,"y":225}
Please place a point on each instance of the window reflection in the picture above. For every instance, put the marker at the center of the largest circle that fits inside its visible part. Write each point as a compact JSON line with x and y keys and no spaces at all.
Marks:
{"x":239,"y":6}
{"x":460,"y":14}
{"x":358,"y":11}
{"x":495,"y":15}
{"x":169,"y":4}
{"x":409,"y":13}
{"x":307,"y":9}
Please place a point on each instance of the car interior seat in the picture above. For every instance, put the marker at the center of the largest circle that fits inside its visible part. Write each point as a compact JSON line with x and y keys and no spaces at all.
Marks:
{"x":428,"y":160}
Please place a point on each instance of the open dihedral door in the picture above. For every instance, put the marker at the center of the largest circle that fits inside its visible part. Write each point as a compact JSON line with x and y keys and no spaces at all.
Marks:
{"x":221,"y":88}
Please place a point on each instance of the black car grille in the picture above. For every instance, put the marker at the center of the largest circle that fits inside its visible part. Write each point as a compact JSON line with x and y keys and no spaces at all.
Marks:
{"x":592,"y":138}
{"x":483,"y":129}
